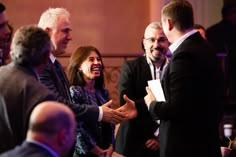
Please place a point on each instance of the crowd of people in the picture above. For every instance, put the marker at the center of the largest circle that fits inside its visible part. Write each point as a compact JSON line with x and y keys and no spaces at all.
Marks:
{"x":46,"y":112}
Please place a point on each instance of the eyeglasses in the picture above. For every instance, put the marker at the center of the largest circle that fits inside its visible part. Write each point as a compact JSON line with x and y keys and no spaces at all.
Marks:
{"x":159,"y":40}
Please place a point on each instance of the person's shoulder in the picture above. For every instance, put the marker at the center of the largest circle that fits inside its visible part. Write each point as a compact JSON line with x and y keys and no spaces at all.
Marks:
{"x":4,"y":69}
{"x":27,"y":149}
{"x":220,"y":26}
{"x":137,"y":61}
{"x":13,"y":152}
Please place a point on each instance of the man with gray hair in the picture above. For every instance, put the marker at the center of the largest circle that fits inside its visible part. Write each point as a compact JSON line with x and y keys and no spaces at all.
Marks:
{"x":56,"y":21}
{"x":19,"y":86}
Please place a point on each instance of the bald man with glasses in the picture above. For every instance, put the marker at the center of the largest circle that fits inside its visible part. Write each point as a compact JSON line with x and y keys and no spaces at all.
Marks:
{"x":139,"y":136}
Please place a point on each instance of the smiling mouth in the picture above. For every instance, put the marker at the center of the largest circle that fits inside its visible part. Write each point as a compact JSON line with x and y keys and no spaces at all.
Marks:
{"x":160,"y":49}
{"x":96,"y":69}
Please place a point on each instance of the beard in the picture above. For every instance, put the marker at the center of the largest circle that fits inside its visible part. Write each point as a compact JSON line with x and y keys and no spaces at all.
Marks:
{"x":158,"y":55}
{"x":157,"y":58}
{"x":160,"y":49}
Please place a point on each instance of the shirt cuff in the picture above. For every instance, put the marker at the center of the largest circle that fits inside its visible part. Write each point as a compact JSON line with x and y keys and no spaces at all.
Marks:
{"x":100,"y":114}
{"x":156,"y":133}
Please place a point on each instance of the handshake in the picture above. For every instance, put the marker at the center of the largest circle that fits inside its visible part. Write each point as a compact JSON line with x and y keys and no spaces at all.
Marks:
{"x":125,"y":112}
{"x":115,"y":116}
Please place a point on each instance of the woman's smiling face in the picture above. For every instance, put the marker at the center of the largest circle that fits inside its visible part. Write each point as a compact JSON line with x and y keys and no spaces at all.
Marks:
{"x":91,"y":66}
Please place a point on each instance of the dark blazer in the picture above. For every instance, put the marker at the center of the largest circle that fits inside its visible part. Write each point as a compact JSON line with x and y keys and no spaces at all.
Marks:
{"x":132,"y":134}
{"x":93,"y":133}
{"x":27,"y":150}
{"x":193,"y":87}
{"x":21,"y":92}
{"x":59,"y":85}
{"x":5,"y":127}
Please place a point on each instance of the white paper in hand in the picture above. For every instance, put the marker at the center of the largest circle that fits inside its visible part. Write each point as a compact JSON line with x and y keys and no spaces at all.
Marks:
{"x":156,"y":88}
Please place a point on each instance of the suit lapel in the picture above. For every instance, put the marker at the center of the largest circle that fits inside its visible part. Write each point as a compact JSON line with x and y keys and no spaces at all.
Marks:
{"x":147,"y":71}
{"x":61,"y":79}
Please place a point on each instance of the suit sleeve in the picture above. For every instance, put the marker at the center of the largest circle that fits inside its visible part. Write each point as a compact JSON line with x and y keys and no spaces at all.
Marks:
{"x":126,"y":83}
{"x":6,"y":131}
{"x":81,"y":111}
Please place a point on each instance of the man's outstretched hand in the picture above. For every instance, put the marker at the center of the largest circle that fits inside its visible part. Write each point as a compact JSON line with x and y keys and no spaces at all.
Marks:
{"x":110,"y":115}
{"x":128,"y":109}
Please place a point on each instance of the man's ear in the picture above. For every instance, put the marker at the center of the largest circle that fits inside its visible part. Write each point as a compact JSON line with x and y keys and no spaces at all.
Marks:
{"x":143,"y":43}
{"x":170,"y":24}
{"x":49,"y":30}
{"x":62,"y":137}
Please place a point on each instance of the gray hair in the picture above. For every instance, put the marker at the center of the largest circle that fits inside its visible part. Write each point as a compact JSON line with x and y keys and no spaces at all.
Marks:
{"x":153,"y":25}
{"x":50,"y":16}
{"x":30,"y":45}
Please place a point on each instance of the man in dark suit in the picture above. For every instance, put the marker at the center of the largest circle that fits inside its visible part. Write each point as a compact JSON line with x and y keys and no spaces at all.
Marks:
{"x":43,"y":138}
{"x":56,"y":21}
{"x":19,"y":85}
{"x":139,"y":136}
{"x":193,"y":87}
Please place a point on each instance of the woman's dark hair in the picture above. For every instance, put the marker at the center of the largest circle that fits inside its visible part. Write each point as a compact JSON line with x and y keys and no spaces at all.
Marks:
{"x":77,"y":58}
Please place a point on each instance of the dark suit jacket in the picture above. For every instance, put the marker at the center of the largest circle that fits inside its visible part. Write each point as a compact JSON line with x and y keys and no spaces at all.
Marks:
{"x":60,"y":87}
{"x":193,"y":87}
{"x":93,"y":133}
{"x":21,"y":92}
{"x":27,"y":150}
{"x":5,"y":128}
{"x":132,"y":134}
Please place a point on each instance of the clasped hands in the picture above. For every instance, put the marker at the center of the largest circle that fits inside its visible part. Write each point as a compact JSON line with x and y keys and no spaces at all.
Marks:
{"x":115,"y":116}
{"x":125,"y":112}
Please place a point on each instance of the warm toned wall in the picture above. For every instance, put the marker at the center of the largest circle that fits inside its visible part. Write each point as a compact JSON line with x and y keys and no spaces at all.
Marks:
{"x":206,"y":12}
{"x":113,"y":26}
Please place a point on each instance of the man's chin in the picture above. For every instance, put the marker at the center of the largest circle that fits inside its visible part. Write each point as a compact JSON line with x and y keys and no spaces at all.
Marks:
{"x":157,"y":57}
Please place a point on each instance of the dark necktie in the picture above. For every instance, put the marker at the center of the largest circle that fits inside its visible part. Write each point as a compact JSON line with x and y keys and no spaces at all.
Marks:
{"x":63,"y":78}
{"x":59,"y":69}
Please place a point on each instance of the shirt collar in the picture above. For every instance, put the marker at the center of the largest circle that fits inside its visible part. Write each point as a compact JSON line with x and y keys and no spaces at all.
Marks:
{"x":148,"y":60}
{"x":151,"y":64}
{"x":52,"y":57}
{"x":178,"y":42}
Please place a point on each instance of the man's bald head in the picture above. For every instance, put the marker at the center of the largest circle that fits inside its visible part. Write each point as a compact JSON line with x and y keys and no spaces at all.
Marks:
{"x":49,"y":117}
{"x":53,"y":124}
